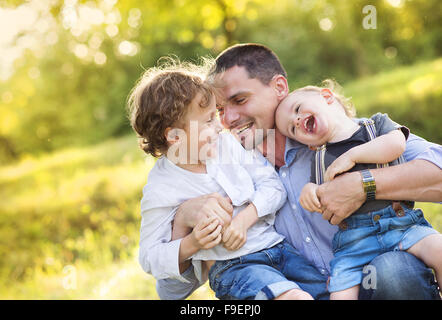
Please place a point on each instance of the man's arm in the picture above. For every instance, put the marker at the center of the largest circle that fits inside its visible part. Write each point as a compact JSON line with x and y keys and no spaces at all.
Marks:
{"x":422,"y":181}
{"x":158,"y":254}
{"x":418,"y":180}
{"x":173,"y":289}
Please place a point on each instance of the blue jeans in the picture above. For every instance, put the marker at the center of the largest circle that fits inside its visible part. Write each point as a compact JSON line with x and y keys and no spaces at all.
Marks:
{"x":365,"y":236}
{"x":266,"y":274}
{"x":401,"y":276}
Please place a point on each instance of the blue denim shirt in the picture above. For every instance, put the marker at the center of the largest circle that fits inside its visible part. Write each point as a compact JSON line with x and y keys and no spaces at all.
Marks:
{"x":306,"y":231}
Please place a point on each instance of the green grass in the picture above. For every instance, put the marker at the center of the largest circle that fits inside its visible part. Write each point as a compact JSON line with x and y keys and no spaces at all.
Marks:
{"x":119,"y":280}
{"x":411,"y":95}
{"x":69,"y":221}
{"x":69,"y":227}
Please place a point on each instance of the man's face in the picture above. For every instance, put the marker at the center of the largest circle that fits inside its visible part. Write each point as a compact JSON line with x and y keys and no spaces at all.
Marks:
{"x":247,"y":107}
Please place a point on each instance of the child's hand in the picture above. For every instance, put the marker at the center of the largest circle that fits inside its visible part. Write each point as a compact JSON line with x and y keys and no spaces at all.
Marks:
{"x":309,"y":199}
{"x":207,"y":233}
{"x":235,"y":235}
{"x":342,"y":164}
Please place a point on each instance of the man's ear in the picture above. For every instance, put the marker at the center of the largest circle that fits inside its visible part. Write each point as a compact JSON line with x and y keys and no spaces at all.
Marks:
{"x":327,"y":95}
{"x":279,"y":83}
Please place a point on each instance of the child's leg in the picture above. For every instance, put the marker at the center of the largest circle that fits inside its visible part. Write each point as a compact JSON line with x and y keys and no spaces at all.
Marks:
{"x":347,"y":294}
{"x":295,"y":294}
{"x":429,"y":250}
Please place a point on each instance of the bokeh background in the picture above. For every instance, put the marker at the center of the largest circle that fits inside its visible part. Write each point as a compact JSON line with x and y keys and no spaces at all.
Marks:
{"x":71,"y":174}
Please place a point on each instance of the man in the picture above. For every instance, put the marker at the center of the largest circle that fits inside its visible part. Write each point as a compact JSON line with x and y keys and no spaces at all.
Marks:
{"x":253,"y":83}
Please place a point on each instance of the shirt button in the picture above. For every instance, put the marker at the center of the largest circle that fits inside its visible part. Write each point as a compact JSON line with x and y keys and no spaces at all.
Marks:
{"x":308,"y":239}
{"x":323,"y":271}
{"x":283,"y":174}
{"x":294,"y":207}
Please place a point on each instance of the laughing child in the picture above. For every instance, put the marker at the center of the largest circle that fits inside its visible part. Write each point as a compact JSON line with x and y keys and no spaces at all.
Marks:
{"x":322,"y":119}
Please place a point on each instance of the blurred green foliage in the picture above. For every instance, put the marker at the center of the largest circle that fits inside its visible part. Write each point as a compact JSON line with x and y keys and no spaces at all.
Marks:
{"x":76,"y":205}
{"x":70,"y":89}
{"x":411,"y":95}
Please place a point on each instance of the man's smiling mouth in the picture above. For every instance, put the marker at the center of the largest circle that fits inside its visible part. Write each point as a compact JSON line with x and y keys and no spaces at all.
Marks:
{"x":243,"y":128}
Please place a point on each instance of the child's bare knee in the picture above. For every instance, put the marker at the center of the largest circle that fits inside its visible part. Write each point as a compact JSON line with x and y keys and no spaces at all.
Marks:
{"x":295,"y":294}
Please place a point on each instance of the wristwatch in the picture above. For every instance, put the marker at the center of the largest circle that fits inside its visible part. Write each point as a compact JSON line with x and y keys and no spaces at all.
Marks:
{"x":369,"y":184}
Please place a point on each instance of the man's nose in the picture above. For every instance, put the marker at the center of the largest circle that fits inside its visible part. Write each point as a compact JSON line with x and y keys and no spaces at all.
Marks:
{"x":230,"y":116}
{"x":297,"y":121}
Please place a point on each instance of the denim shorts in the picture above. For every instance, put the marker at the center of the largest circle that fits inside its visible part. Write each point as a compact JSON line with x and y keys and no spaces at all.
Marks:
{"x":367,"y":235}
{"x":266,"y":274}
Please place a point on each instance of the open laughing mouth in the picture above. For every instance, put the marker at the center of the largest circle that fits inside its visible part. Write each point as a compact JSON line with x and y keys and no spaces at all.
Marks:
{"x":309,"y":124}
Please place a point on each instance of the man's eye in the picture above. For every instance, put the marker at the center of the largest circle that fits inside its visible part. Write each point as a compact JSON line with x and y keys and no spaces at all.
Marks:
{"x":297,"y":108}
{"x":240,"y":101}
{"x":220,"y":110}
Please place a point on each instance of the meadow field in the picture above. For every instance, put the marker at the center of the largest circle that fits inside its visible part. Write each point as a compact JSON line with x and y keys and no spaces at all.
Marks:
{"x":69,"y":219}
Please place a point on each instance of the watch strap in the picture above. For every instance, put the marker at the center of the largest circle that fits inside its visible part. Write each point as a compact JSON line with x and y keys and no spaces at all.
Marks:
{"x":369,"y":184}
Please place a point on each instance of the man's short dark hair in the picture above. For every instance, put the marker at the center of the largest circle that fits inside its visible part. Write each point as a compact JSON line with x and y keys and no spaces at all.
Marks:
{"x":259,"y":61}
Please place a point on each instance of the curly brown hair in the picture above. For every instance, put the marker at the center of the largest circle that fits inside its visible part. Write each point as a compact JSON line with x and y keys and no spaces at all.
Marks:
{"x":160,"y":99}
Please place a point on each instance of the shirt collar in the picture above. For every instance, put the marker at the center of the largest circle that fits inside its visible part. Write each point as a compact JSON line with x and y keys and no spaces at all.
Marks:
{"x":291,"y":147}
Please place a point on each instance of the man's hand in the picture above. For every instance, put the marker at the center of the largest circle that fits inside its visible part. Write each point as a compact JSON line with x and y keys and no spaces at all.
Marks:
{"x":212,"y":205}
{"x":341,"y":197}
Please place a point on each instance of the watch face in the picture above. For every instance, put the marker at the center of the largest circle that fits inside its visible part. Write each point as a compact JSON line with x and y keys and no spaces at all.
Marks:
{"x":370,"y":186}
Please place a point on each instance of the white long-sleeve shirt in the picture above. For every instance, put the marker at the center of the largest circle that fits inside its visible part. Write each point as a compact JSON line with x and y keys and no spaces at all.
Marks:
{"x":244,"y":176}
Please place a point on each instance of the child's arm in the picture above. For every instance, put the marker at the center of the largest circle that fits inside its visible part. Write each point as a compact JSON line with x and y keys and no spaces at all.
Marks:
{"x":268,"y":198}
{"x":382,"y":149}
{"x":270,"y":194}
{"x":235,"y":235}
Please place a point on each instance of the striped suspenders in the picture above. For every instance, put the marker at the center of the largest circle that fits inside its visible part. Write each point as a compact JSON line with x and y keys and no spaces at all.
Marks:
{"x":320,"y":152}
{"x":319,"y":164}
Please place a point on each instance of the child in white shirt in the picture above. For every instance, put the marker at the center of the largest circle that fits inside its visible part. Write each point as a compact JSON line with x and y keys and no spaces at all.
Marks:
{"x":174,"y":113}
